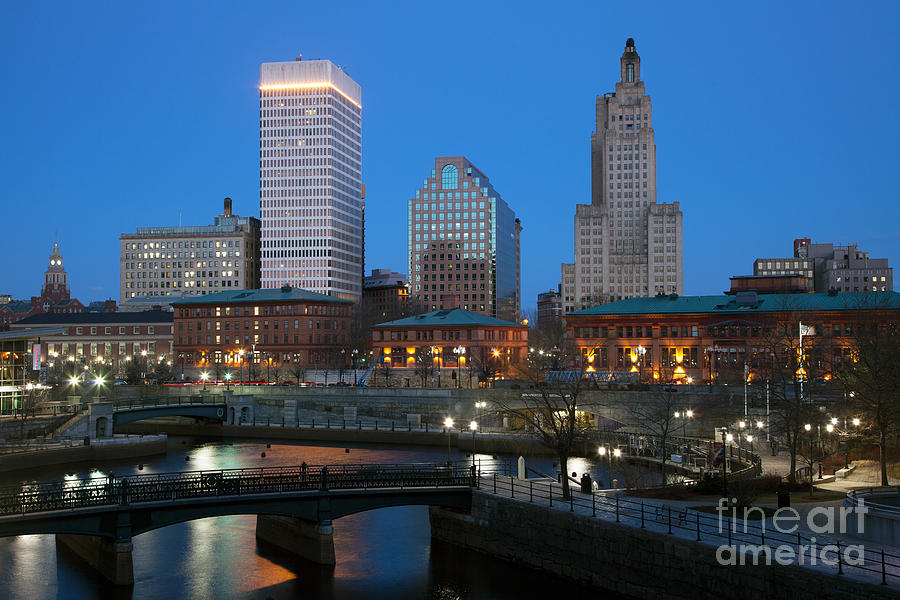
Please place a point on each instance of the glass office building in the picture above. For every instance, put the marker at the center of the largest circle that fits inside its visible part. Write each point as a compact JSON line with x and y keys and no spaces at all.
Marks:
{"x":463,"y":242}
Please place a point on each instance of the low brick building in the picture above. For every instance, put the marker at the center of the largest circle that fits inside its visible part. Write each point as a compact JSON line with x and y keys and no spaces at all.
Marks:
{"x":270,"y":326}
{"x":711,"y":338}
{"x":107,"y":339}
{"x":450,"y":339}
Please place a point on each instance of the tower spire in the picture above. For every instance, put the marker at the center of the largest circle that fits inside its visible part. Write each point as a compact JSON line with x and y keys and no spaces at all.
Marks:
{"x":630,"y":63}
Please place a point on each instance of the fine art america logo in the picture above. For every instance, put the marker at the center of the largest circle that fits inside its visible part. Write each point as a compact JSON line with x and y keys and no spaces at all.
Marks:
{"x":773,"y":546}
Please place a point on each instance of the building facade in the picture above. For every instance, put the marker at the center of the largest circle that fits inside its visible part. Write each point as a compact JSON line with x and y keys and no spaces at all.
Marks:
{"x":276,"y":327}
{"x":843,"y":268}
{"x":159,"y":261}
{"x":103,"y":341}
{"x":310,"y":178}
{"x":54,"y":298}
{"x":385,"y":295}
{"x":463,"y":242}
{"x":452,"y":339}
{"x":694,"y":339}
{"x":549,"y":307}
{"x":626,"y":243}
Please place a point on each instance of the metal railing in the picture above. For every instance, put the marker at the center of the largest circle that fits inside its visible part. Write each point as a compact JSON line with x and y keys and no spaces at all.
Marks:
{"x":167,"y":401}
{"x":161,"y":487}
{"x":868,"y":497}
{"x":746,"y":536}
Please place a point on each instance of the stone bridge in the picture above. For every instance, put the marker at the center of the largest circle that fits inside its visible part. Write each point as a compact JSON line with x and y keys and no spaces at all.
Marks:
{"x":295,"y":506}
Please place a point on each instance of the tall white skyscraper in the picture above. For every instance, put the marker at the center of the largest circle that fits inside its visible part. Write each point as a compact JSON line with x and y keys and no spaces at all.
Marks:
{"x":310,"y":177}
{"x":627,"y":244}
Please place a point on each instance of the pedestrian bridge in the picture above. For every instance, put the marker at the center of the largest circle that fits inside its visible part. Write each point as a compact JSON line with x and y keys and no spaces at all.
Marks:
{"x":295,"y":506}
{"x":128,"y":411}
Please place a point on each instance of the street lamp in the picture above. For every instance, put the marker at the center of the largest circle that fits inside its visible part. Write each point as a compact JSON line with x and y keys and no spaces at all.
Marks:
{"x":98,"y":383}
{"x":473,"y":425}
{"x":241,"y":366}
{"x":460,"y":353}
{"x":144,"y":366}
{"x":726,"y":437}
{"x":204,"y":376}
{"x":227,"y":381}
{"x":355,"y":358}
{"x":448,"y":423}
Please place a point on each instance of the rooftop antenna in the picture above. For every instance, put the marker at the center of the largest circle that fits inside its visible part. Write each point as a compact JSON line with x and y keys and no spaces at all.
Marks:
{"x":179,"y":218}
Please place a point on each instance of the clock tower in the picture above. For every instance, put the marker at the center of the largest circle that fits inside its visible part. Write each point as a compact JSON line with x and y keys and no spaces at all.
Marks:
{"x":55,"y":290}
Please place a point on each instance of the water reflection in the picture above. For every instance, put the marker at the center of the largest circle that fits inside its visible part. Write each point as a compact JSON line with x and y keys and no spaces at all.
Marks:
{"x":384,"y":553}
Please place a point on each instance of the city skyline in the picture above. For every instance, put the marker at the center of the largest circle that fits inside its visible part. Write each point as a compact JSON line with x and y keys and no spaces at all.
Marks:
{"x":822,"y":159}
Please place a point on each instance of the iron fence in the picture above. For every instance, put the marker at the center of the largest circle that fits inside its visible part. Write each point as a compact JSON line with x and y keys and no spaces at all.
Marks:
{"x":747,"y":537}
{"x":107,"y":491}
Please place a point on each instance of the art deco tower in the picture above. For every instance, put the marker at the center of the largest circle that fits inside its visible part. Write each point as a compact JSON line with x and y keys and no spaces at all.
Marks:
{"x":626,"y":244}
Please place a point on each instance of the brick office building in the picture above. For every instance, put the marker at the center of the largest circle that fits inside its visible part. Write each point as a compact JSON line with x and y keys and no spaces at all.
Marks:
{"x":107,"y":339}
{"x":696,"y":339}
{"x":487,"y":341}
{"x":270,"y":326}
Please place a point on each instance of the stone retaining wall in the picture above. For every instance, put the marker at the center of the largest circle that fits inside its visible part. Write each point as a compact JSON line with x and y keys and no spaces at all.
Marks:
{"x":627,"y":560}
{"x":149,"y":446}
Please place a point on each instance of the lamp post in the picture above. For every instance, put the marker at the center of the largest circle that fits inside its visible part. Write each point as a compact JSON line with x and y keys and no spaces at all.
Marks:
{"x":460,"y":353}
{"x":241,"y":366}
{"x":726,"y":437}
{"x":203,"y":377}
{"x":355,"y":358}
{"x":684,"y":415}
{"x":143,"y":366}
{"x":448,"y":423}
{"x":228,"y":381}
{"x":473,"y":425}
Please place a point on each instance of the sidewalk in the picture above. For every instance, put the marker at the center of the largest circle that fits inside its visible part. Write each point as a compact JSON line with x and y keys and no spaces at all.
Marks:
{"x":676,"y":519}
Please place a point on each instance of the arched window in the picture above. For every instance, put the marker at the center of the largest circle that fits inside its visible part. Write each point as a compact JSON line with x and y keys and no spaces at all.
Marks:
{"x":449,"y":176}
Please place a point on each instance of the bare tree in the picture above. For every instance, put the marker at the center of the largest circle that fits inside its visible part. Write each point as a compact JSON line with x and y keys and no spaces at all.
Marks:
{"x":298,"y":371}
{"x":424,"y":364}
{"x":789,"y":366}
{"x":655,"y":414}
{"x":871,"y":375}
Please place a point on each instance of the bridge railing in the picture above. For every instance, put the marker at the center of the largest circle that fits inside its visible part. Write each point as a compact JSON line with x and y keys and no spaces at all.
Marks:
{"x":159,"y":487}
{"x":167,"y":401}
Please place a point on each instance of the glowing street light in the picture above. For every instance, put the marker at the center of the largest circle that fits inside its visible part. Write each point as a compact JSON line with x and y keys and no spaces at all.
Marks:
{"x":448,"y":423}
{"x":473,"y":425}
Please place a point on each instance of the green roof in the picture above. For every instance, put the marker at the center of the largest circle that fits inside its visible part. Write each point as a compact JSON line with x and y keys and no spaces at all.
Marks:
{"x":282,"y":294}
{"x":746,"y":302}
{"x":455,"y":317}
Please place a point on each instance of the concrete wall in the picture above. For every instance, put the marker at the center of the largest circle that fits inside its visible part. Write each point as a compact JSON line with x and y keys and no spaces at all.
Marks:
{"x":627,"y":560}
{"x":711,"y":409}
{"x":107,"y":450}
{"x":14,"y":429}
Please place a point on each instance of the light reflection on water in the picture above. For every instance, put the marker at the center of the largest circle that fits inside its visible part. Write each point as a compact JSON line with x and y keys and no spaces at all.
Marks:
{"x":385,"y":553}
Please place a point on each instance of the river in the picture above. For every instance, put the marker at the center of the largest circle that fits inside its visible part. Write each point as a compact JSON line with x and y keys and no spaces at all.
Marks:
{"x":385,"y":553}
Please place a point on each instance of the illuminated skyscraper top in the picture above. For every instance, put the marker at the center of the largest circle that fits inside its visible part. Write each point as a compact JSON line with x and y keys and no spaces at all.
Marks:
{"x":310,"y":177}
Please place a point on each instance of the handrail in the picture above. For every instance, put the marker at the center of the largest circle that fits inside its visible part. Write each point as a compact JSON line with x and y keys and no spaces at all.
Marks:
{"x":717,"y":529}
{"x":861,"y":496}
{"x":161,"y":487}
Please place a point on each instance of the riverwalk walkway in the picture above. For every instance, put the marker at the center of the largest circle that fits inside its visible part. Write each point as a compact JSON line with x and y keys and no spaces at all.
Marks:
{"x":881,"y":564}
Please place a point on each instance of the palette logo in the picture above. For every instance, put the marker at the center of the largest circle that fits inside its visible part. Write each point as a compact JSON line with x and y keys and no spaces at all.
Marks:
{"x":806,"y":550}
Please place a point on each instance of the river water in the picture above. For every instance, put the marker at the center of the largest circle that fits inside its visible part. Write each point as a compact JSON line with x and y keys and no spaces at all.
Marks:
{"x":385,"y":553}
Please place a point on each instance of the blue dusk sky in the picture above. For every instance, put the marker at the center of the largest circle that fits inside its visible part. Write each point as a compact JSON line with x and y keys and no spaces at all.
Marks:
{"x":773,"y":120}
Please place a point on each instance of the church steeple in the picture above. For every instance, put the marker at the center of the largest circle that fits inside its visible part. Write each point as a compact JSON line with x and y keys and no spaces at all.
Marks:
{"x":55,"y":286}
{"x":630,"y":64}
